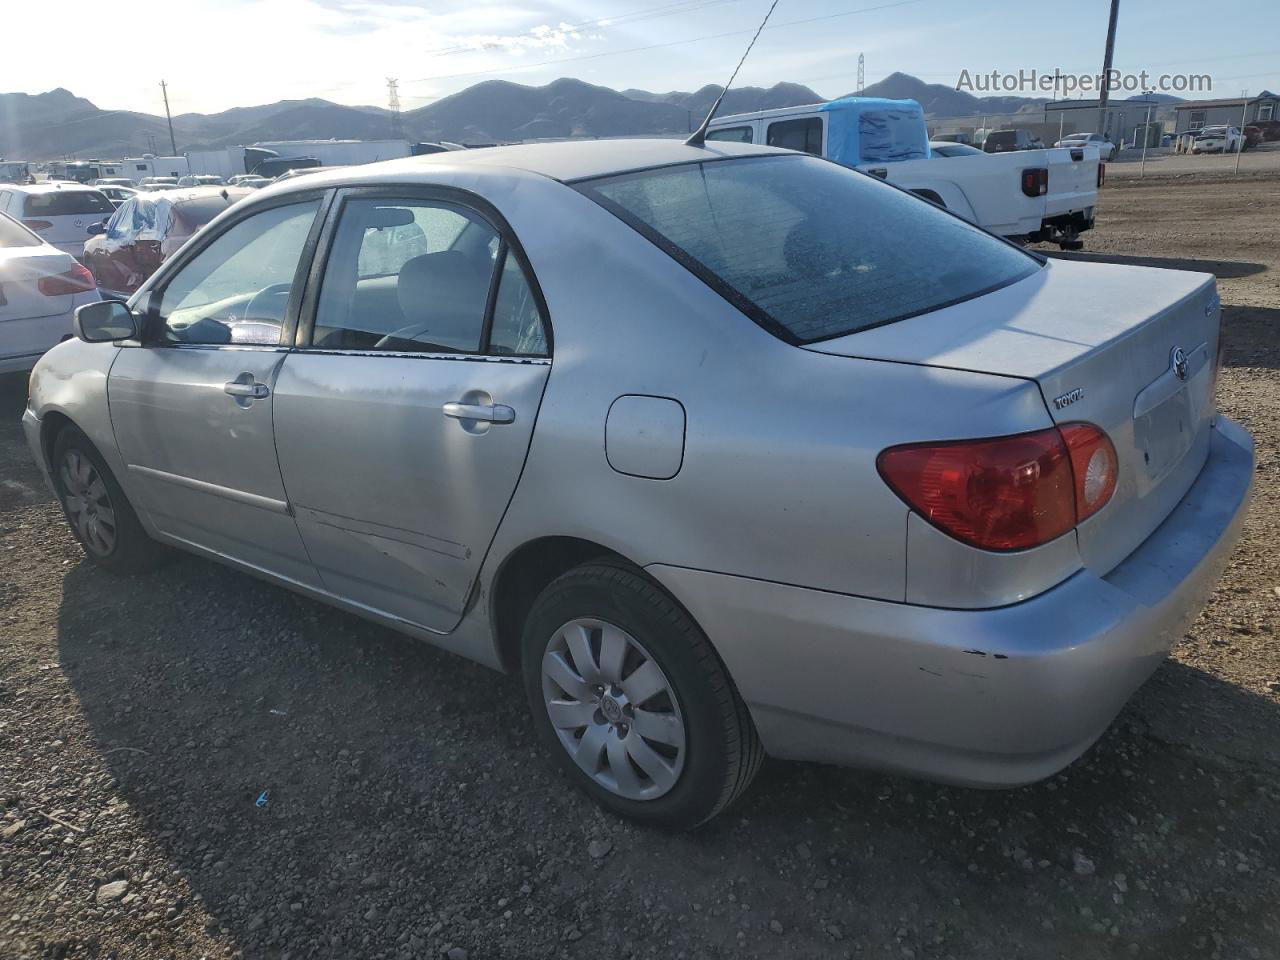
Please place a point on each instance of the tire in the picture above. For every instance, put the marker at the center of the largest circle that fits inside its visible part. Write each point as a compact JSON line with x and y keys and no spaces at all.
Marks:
{"x":718,"y":752}
{"x":99,"y":514}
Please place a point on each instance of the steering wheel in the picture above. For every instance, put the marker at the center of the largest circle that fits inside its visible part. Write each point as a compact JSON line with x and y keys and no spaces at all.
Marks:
{"x":272,"y":301}
{"x":404,"y":333}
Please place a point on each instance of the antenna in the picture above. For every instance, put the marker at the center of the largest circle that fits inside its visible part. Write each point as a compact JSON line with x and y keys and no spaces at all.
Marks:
{"x":862,"y":72}
{"x":699,"y":137}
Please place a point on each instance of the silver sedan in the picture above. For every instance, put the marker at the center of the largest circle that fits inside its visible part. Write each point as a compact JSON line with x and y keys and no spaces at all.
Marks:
{"x":727,"y":450}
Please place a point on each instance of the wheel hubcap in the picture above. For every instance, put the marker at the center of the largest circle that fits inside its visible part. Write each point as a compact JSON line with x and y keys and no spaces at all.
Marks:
{"x":87,"y":502}
{"x":613,"y":709}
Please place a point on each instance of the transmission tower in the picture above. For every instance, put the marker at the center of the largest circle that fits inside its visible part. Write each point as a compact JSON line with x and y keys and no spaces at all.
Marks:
{"x":862,"y":71}
{"x":393,"y":104}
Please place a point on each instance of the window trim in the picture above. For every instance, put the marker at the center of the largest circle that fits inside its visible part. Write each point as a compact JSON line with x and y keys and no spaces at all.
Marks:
{"x":472,"y":203}
{"x":749,"y":127}
{"x":154,"y":289}
{"x":740,"y":301}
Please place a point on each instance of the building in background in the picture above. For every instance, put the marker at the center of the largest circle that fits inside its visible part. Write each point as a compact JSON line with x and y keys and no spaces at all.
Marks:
{"x":1124,"y":122}
{"x":1260,"y":110}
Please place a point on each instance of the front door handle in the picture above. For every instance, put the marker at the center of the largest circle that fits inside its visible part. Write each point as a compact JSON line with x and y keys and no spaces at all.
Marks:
{"x":252,"y":390}
{"x":488,"y":412}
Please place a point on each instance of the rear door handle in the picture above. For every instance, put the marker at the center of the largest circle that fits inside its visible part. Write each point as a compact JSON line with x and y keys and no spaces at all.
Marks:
{"x":254,"y":391}
{"x":488,"y":412}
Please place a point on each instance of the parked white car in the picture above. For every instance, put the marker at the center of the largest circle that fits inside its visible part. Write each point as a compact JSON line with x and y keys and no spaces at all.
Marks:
{"x":40,"y":289}
{"x":1217,"y":140}
{"x":1028,"y":195}
{"x":61,"y":213}
{"x":1106,"y":149}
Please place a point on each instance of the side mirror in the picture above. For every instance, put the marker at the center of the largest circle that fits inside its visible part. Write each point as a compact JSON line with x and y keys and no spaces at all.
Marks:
{"x":97,"y":228}
{"x":106,"y":320}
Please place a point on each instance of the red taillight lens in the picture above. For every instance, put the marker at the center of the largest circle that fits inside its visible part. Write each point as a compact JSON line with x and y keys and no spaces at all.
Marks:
{"x":76,"y":280}
{"x":1006,"y":493}
{"x":1102,"y":172}
{"x":37,"y":225}
{"x":1035,"y":181}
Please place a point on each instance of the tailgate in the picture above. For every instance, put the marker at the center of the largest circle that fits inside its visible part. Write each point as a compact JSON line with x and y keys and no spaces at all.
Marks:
{"x":1073,"y":179}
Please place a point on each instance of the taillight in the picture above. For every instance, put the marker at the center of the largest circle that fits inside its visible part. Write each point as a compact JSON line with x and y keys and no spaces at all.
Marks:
{"x":1006,"y":493}
{"x":76,"y":280}
{"x":1035,"y":181}
{"x":1102,"y":172}
{"x":37,"y":225}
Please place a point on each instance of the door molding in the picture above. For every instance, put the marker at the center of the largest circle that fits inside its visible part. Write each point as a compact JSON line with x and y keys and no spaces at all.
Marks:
{"x":216,"y":490}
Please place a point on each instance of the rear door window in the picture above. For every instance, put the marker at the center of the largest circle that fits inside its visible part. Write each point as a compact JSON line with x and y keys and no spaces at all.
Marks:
{"x":808,"y":249}
{"x":804,"y":134}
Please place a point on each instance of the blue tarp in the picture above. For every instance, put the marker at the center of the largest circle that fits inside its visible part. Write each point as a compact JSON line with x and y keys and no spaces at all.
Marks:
{"x":875,"y":130}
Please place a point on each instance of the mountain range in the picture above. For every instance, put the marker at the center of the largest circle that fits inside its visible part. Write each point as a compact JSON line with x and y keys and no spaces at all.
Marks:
{"x":61,"y":124}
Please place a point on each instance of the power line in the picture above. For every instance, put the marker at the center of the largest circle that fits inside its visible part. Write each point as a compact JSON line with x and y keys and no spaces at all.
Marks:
{"x":659,"y":46}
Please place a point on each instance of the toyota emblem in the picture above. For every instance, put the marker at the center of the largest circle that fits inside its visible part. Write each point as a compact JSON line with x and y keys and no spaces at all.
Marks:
{"x":1180,"y":364}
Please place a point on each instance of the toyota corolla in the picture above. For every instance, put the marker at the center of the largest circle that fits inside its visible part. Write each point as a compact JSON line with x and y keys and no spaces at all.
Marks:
{"x":728,"y":450}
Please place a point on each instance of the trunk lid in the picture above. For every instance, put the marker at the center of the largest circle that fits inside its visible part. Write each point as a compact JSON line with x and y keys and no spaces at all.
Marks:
{"x":21,"y":269}
{"x":1100,"y":341}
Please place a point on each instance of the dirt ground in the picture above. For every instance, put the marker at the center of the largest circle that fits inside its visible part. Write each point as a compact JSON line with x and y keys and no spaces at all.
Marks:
{"x":408,"y":811}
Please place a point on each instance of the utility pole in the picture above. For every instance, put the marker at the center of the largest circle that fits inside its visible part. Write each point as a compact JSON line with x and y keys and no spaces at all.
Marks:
{"x":1106,"y":67}
{"x":862,"y":73}
{"x":164,"y":89}
{"x":1146,"y":136}
{"x":1244,"y":119}
{"x":393,"y":104}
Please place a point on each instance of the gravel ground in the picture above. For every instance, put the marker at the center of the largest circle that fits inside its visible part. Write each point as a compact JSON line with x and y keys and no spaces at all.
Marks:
{"x":193,"y":763}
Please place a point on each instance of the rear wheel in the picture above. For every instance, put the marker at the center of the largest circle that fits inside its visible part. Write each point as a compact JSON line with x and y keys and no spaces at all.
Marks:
{"x":100,"y":515}
{"x":632,"y":699}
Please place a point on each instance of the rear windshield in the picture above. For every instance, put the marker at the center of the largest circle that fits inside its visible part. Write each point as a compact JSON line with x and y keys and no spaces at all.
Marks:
{"x":13,"y":235}
{"x":66,"y":203}
{"x":809,"y":249}
{"x":190,"y":215}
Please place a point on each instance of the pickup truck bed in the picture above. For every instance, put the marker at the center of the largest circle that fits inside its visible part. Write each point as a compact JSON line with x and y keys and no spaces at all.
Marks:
{"x":1026,"y":195}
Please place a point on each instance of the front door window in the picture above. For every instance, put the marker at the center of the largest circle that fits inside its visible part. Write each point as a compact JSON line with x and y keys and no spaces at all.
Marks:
{"x":237,"y":288}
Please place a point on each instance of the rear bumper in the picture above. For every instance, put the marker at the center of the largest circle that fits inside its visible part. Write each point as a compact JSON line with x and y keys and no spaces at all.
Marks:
{"x":990,"y":698}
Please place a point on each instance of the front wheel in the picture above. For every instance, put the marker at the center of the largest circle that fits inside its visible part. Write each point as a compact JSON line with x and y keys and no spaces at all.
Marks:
{"x":100,"y":515}
{"x":631,"y":698}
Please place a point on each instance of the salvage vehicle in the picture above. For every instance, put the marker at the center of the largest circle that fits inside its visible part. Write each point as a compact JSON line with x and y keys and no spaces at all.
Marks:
{"x":1031,"y":196}
{"x":1006,"y":141}
{"x":118,"y":195}
{"x":1219,"y":139}
{"x":1106,"y":149}
{"x":725,"y":449}
{"x":146,"y":230}
{"x":59,"y":212}
{"x":40,"y":289}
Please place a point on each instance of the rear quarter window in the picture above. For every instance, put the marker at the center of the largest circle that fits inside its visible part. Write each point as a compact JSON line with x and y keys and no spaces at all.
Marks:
{"x":809,"y":249}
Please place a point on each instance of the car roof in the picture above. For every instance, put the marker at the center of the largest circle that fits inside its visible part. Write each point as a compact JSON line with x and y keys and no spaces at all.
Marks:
{"x":566,"y":160}
{"x":51,"y":187}
{"x":187,"y":194}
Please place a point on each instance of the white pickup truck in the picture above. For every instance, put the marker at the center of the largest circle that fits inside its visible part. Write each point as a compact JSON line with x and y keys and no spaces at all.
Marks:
{"x":1029,"y":195}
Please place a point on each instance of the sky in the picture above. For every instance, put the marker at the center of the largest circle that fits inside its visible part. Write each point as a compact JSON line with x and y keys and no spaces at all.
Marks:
{"x":217,"y":54}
